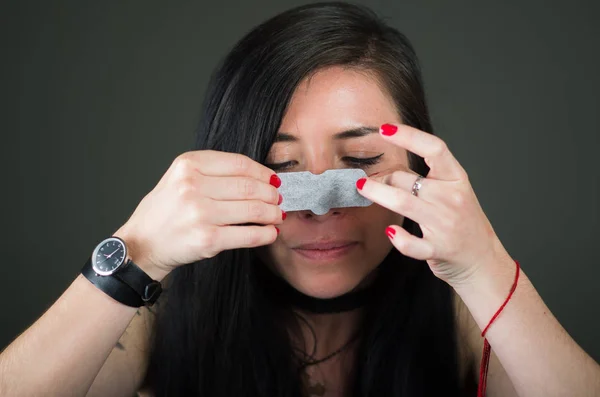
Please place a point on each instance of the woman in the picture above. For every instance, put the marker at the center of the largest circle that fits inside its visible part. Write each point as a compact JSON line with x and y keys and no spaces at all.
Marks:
{"x":383,"y":300}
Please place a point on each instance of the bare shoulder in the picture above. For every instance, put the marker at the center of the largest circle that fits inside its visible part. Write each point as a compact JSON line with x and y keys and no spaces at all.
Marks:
{"x":470,"y":350}
{"x":125,"y":368}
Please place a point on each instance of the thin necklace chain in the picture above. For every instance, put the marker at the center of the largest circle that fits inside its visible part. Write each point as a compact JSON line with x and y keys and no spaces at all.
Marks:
{"x":310,"y":362}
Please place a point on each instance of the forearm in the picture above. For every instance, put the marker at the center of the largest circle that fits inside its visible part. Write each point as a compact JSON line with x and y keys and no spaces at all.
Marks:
{"x":540,"y":358}
{"x":63,"y":351}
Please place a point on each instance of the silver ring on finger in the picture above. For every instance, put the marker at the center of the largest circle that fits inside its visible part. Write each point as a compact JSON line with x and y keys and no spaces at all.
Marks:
{"x":417,"y":186}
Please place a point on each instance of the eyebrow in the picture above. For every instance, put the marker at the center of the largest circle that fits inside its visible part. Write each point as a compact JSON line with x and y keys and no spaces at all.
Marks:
{"x":353,"y":133}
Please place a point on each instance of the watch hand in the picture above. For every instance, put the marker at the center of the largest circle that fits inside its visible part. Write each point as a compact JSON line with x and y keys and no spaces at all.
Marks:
{"x":102,"y":260}
{"x":107,"y":256}
{"x":113,"y":253}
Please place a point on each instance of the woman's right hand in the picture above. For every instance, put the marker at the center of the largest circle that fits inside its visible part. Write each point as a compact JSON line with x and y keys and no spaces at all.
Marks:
{"x":197,"y":208}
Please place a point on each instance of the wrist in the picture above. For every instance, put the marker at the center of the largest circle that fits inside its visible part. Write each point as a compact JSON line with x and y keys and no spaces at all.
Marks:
{"x":139,"y":256}
{"x":485,"y":268}
{"x":487,"y":287}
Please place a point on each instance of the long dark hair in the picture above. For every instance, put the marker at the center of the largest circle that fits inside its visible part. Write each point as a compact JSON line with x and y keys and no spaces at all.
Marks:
{"x":217,"y":331}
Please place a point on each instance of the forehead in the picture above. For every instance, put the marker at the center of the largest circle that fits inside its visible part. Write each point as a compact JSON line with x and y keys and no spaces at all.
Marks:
{"x":335,"y":99}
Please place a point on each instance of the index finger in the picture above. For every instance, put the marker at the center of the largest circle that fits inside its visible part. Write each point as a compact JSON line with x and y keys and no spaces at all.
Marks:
{"x":443,"y":165}
{"x":385,"y":176}
{"x":217,"y":163}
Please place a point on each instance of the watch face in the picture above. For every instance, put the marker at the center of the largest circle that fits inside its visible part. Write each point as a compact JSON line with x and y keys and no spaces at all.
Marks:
{"x":108,"y":256}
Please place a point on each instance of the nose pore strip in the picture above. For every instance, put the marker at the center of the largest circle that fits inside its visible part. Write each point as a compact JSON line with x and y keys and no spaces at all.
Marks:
{"x":334,"y":188}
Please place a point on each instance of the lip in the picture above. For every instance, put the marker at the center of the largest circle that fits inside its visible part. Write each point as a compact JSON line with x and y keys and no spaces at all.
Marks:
{"x":325,"y":245}
{"x":327,"y":250}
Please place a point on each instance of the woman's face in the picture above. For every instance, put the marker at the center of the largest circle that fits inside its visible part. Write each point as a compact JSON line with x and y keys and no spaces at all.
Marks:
{"x":334,"y":100}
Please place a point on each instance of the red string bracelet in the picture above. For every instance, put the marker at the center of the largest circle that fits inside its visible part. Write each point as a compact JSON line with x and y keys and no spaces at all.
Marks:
{"x":485,"y":358}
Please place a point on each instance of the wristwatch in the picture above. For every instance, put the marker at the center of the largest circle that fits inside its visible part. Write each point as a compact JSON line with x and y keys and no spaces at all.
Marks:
{"x":111,"y":270}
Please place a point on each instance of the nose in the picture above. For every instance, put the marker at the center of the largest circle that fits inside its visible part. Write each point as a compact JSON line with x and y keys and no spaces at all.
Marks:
{"x":317,"y":165}
{"x":309,"y":216}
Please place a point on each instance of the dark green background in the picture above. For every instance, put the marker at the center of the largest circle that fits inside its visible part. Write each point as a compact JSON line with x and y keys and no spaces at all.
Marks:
{"x":99,"y":97}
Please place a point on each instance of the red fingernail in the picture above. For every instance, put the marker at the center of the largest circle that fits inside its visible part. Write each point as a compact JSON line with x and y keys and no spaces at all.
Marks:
{"x":391,"y":232}
{"x":275,"y":181}
{"x":360,"y":183}
{"x":283,"y":215}
{"x":280,"y":199}
{"x":276,"y":228}
{"x":388,"y":129}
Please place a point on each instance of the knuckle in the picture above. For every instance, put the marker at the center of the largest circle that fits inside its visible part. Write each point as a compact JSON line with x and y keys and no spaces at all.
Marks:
{"x":184,"y":187}
{"x":457,"y":198}
{"x":206,"y":240}
{"x":451,"y":223}
{"x":394,"y":178}
{"x":432,"y":252}
{"x":182,"y":164}
{"x":182,"y":160}
{"x":440,"y":148}
{"x":240,"y":162}
{"x":246,"y":187}
{"x":464,"y":175}
{"x":255,"y":210}
{"x":197,"y":214}
{"x":276,"y":214}
{"x":252,"y":237}
{"x":401,"y":244}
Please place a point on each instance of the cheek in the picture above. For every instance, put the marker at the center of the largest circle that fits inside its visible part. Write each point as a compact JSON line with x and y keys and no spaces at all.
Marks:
{"x":375,"y":217}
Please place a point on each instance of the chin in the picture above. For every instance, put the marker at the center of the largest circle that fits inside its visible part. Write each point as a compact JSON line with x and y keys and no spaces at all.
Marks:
{"x":325,"y":286}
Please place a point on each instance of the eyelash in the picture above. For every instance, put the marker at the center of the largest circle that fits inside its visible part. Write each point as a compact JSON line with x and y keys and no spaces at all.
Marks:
{"x":364,"y":163}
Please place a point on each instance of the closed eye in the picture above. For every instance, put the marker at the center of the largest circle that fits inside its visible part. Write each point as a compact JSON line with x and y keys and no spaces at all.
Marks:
{"x":365,"y":162}
{"x":355,"y":161}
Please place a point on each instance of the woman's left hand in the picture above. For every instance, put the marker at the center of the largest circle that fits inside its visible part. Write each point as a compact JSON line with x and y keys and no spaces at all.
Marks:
{"x":458,"y":239}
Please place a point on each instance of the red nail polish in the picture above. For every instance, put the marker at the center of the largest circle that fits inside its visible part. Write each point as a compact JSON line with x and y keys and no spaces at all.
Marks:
{"x":275,"y":181}
{"x":391,"y":232}
{"x":276,"y":228}
{"x":388,"y":129}
{"x":360,"y":183}
{"x":283,"y":215}
{"x":280,"y":199}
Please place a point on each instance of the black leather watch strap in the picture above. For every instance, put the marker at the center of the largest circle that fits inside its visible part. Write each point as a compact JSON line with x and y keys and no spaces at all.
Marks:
{"x":149,"y":290}
{"x":112,"y":286}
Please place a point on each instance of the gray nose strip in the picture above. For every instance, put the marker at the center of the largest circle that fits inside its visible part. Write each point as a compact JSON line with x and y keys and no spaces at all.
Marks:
{"x":334,"y":188}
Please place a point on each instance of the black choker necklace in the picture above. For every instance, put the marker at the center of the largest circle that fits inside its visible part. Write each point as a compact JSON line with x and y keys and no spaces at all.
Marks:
{"x":281,"y":290}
